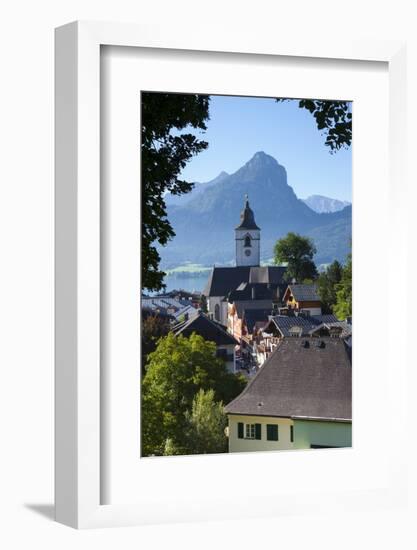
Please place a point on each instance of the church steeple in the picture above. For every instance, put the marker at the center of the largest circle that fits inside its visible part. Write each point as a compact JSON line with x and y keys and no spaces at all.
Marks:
{"x":247,"y":218}
{"x":247,"y":237}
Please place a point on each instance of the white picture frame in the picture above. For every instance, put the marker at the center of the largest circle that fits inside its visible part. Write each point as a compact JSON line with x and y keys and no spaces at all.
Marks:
{"x":79,"y":409}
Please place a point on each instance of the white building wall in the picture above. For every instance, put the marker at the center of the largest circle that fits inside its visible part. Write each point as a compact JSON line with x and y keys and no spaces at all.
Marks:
{"x":212,"y":301}
{"x":242,"y":259}
{"x":237,"y":445}
{"x":305,"y":432}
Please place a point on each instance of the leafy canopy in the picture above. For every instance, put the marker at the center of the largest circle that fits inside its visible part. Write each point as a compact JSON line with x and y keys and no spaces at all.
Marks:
{"x":343,"y":306}
{"x":177,"y":370}
{"x":297,"y":252}
{"x":206,"y":424}
{"x":333,"y":118}
{"x":326,"y":285}
{"x":165,"y":152}
{"x":154,"y":326}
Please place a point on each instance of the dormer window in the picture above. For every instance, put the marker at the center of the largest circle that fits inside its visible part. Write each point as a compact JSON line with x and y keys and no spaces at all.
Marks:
{"x":247,"y":241}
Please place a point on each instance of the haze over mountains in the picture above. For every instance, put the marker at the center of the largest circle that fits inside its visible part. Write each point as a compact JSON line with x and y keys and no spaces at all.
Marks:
{"x":204,"y":221}
{"x":321,"y":204}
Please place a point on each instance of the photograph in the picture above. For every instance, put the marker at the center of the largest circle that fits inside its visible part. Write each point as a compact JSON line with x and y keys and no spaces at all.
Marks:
{"x":246,"y":274}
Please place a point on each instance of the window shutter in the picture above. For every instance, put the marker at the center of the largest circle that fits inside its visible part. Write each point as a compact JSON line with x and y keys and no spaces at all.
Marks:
{"x":272,"y":432}
{"x":258,"y":431}
{"x":240,"y":430}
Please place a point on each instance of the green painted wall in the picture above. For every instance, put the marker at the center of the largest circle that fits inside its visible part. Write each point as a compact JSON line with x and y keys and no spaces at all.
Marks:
{"x":333,"y":434}
{"x":306,"y":433}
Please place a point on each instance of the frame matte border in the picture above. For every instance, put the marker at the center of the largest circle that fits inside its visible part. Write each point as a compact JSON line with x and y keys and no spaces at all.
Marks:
{"x":77,"y":230}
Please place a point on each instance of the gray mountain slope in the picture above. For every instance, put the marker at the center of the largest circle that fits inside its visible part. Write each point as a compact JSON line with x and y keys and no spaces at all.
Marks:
{"x":205,"y":225}
{"x":321,"y":204}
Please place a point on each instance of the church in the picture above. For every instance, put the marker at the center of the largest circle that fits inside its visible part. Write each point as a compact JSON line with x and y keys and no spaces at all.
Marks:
{"x":247,"y":281}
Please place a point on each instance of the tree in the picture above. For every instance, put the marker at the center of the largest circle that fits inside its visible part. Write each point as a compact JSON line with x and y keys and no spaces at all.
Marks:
{"x":327,"y":284}
{"x":154,"y":326}
{"x":177,"y":370}
{"x":165,"y":152}
{"x":343,"y":307}
{"x":207,"y":422}
{"x":203,"y":303}
{"x":333,"y":117}
{"x":297,"y":252}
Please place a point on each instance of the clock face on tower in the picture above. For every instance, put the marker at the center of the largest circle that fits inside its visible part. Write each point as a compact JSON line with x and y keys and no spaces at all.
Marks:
{"x":247,"y":252}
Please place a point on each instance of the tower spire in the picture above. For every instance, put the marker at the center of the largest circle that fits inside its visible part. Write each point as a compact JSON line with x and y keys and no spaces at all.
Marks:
{"x":247,"y":218}
{"x":247,"y":237}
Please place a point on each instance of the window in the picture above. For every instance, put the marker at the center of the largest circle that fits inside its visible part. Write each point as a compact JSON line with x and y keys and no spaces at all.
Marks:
{"x":292,"y":434}
{"x":272,"y":432}
{"x":249,"y":431}
{"x":247,"y":241}
{"x":217,"y":312}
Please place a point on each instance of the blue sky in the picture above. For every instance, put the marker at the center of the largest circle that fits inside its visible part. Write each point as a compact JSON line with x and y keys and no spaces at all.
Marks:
{"x":241,"y":126}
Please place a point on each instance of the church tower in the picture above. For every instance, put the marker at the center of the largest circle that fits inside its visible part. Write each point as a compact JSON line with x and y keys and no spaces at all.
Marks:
{"x":247,"y":237}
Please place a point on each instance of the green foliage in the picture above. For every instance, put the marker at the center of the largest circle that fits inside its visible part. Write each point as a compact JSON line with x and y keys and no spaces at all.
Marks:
{"x":343,"y":307}
{"x":207,"y":422}
{"x":177,"y":370}
{"x":327,"y":284}
{"x":153,"y":328}
{"x":203,"y":304}
{"x":297,"y":252}
{"x":165,"y":152}
{"x":333,"y":118}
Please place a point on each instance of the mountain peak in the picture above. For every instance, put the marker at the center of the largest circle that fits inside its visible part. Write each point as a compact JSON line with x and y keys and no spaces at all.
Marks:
{"x":261,"y":156}
{"x":263,"y":166}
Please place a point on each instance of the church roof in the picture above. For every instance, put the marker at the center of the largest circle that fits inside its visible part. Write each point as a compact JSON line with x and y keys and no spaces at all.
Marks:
{"x":247,"y":218}
{"x":224,"y":280}
{"x":255,"y":291}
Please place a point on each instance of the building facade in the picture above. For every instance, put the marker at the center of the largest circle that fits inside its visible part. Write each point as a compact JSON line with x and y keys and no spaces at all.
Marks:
{"x":246,"y":276}
{"x":301,"y":398}
{"x":271,"y":433}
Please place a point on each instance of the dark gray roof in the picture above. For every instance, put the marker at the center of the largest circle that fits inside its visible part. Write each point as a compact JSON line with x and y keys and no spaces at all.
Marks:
{"x":301,"y":382}
{"x":207,"y":328}
{"x":253,"y":316}
{"x":247,"y":218}
{"x":255,"y":291}
{"x":306,"y":322}
{"x":305,"y":293}
{"x":267,"y":274}
{"x":223,"y":280}
{"x":344,"y":328}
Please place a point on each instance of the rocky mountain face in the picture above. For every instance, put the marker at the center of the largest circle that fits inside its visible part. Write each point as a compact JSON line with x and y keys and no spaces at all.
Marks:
{"x":323,"y":205}
{"x":205,"y":223}
{"x":197,"y":189}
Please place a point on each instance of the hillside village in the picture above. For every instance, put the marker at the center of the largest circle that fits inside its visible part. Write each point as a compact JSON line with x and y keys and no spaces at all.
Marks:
{"x":291,"y":356}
